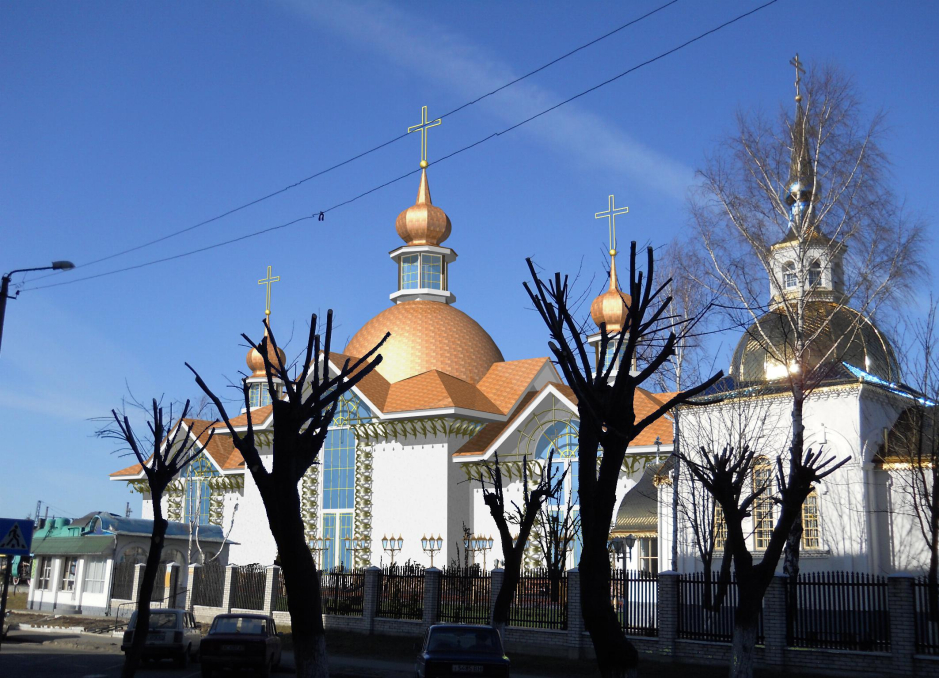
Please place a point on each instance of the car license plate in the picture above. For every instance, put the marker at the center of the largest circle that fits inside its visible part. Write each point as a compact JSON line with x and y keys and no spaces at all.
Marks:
{"x":232,"y":648}
{"x":467,"y":668}
{"x":154,"y":637}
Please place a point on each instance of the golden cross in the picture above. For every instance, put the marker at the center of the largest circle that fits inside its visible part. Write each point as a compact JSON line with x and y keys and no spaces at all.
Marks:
{"x":268,"y":281}
{"x":610,"y":215}
{"x":799,"y":73}
{"x":423,"y":127}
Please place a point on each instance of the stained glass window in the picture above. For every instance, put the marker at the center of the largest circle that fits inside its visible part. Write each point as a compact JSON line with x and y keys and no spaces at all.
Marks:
{"x":198,"y":493}
{"x":763,"y":506}
{"x":811,"y":537}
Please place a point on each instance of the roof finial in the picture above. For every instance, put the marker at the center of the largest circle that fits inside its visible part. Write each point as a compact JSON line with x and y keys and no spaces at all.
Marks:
{"x":799,"y":73}
{"x":610,"y":216}
{"x":268,"y":281}
{"x":424,"y":126}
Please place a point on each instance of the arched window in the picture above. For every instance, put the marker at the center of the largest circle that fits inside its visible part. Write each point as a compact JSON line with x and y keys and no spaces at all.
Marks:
{"x":561,"y":436}
{"x":198,"y":493}
{"x":763,"y":506}
{"x":811,"y":532}
{"x":815,"y":273}
{"x":338,"y":493}
{"x":134,"y":554}
{"x":790,"y":279}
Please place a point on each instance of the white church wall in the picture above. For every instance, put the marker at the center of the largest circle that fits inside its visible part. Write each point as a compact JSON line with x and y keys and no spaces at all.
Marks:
{"x":251,"y":532}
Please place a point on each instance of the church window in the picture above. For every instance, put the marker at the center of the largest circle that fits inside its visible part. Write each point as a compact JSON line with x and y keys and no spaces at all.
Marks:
{"x":763,"y":506}
{"x":815,"y":273}
{"x":649,"y":554}
{"x":197,"y":502}
{"x":69,"y":570}
{"x":432,"y":271}
{"x":259,"y":395}
{"x":45,"y":574}
{"x":720,"y":529}
{"x":410,"y":271}
{"x":612,"y":356}
{"x":94,"y":575}
{"x":561,"y":437}
{"x":790,"y":279}
{"x":339,"y":469}
{"x":811,"y":537}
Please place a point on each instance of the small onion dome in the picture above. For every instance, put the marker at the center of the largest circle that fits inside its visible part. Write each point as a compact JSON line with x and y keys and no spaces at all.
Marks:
{"x":256,"y":361}
{"x":422,"y":223}
{"x":611,"y":306}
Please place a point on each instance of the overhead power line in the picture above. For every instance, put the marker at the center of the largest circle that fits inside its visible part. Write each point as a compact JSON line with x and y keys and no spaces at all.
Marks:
{"x":320,"y":173}
{"x":494,"y":135}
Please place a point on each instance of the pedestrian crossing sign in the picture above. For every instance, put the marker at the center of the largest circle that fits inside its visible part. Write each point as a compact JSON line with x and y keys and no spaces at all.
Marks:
{"x":16,"y":536}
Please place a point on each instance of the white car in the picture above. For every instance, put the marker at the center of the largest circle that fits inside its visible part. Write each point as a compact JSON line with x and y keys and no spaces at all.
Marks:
{"x":173,"y":634}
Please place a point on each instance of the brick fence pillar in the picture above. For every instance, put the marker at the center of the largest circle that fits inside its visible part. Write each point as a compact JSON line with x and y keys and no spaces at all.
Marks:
{"x":191,"y":585}
{"x":138,"y":581}
{"x":668,"y":609}
{"x":226,"y":588}
{"x":498,"y":575}
{"x":371,"y":597}
{"x":271,"y":587}
{"x":431,"y":596}
{"x":775,"y":621}
{"x":902,"y":630}
{"x":575,"y":615}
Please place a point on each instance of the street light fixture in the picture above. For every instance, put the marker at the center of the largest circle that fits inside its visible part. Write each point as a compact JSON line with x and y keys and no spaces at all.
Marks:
{"x":5,"y":285}
{"x":431,"y":545}
{"x":392,"y":545}
{"x":356,"y":545}
{"x":319,"y":545}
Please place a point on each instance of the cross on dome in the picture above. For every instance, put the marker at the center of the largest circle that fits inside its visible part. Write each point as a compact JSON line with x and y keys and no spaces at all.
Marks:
{"x":424,"y":126}
{"x":268,"y":281}
{"x":610,"y":216}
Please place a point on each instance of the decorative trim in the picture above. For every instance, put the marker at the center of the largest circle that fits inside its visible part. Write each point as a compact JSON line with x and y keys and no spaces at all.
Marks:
{"x":309,"y":502}
{"x":362,"y":518}
{"x":404,"y":428}
{"x":232,"y":482}
{"x":511,"y":470}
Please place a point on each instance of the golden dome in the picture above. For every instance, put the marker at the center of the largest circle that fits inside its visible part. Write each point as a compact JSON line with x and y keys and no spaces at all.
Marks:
{"x":256,"y":361}
{"x":423,"y":223}
{"x":611,"y":306}
{"x":427,"y":335}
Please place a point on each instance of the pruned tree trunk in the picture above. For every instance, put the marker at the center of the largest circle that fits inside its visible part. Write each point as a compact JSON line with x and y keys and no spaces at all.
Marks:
{"x":746,"y":627}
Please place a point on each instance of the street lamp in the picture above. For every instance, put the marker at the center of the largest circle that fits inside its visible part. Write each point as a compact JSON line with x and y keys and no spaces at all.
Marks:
{"x":431,"y":545}
{"x":485,"y":543}
{"x":356,"y":545}
{"x":319,"y":545}
{"x":478,"y":543}
{"x":392,"y":546}
{"x":629,"y":540}
{"x":5,"y":285}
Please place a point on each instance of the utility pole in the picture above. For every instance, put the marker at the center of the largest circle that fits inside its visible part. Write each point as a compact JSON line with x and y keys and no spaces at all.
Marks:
{"x":127,"y":511}
{"x":5,"y":285}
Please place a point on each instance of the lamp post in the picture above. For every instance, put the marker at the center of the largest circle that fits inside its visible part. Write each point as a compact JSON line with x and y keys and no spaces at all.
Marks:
{"x":356,"y":545}
{"x":319,"y":545}
{"x":431,"y":545}
{"x":478,"y":543}
{"x":5,"y":285}
{"x":392,"y":545}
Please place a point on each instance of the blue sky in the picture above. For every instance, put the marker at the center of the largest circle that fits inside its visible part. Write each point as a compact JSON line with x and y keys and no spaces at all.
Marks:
{"x":122,"y":122}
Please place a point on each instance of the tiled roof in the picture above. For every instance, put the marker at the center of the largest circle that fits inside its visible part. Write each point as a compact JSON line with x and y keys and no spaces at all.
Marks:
{"x":481,"y":441}
{"x":434,"y":390}
{"x":505,"y":382}
{"x":220,"y":447}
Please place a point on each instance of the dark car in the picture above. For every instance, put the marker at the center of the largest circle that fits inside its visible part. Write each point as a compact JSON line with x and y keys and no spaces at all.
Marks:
{"x":241,"y":641}
{"x":462,"y":650}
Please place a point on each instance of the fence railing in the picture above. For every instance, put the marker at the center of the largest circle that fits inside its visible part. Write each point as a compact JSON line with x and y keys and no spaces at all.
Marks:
{"x":927,"y":630}
{"x":697,"y":620}
{"x":465,"y":595}
{"x":634,"y":595}
{"x":343,"y":592}
{"x":540,"y":601}
{"x":279,"y":603}
{"x":122,"y":581}
{"x":209,"y":583}
{"x":402,"y":592}
{"x":247,"y":587}
{"x":839,"y":610}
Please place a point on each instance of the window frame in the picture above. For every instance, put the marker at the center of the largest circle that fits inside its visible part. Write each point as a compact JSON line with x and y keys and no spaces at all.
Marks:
{"x":790,"y":275}
{"x":811,"y":522}
{"x":69,"y":574}
{"x":92,"y":584}
{"x":762,"y":513}
{"x":44,"y":578}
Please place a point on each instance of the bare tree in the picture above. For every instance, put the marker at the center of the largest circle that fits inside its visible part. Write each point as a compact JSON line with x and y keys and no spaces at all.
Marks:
{"x":556,"y":531}
{"x":523,"y":516}
{"x":162,"y":453}
{"x":300,"y":422}
{"x":605,"y":405}
{"x":804,"y":201}
{"x":728,"y":477}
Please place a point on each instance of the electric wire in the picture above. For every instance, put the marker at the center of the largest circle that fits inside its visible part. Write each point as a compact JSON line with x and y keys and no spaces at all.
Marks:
{"x":300,"y":182}
{"x":490,"y":137}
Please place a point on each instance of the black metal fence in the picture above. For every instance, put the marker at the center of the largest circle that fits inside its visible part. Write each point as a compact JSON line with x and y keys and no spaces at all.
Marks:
{"x":540,"y":601}
{"x":280,"y":595}
{"x":209,"y":583}
{"x":465,"y":595}
{"x":122,"y":581}
{"x":927,"y":631}
{"x":697,"y":620}
{"x":839,"y":610}
{"x":402,"y":592}
{"x":634,"y":597}
{"x":247,"y":587}
{"x":343,"y":591}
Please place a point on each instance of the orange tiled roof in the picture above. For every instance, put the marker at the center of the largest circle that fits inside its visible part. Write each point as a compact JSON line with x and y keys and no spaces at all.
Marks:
{"x":220,"y":448}
{"x":505,"y":382}
{"x":487,"y":435}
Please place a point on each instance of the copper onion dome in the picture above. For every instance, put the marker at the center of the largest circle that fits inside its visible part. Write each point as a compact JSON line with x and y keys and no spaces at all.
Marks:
{"x":255,"y":360}
{"x":612,"y":306}
{"x":423,"y":223}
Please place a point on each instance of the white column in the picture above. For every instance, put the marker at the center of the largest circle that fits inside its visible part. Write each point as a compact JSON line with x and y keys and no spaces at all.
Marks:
{"x":79,"y":583}
{"x":56,"y":580}
{"x":108,"y":573}
{"x":33,"y":581}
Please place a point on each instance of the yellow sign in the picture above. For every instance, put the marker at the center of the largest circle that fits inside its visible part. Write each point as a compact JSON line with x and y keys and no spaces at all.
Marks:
{"x":268,"y":281}
{"x":610,"y":214}
{"x":424,"y":126}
